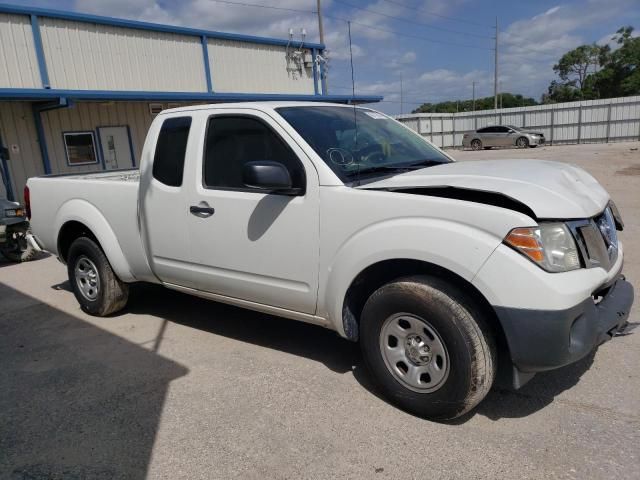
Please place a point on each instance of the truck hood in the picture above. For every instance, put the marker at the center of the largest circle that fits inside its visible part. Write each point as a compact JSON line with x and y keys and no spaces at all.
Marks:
{"x":549,"y":189}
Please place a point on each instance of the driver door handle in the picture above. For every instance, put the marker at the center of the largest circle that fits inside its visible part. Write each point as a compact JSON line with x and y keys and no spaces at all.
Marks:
{"x":203,"y":210}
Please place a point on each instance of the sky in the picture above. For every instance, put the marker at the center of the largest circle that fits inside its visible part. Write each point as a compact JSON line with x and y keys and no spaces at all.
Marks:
{"x":431,"y":50}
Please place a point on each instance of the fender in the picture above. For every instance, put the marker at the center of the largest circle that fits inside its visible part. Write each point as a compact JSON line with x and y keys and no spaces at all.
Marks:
{"x":459,"y":248}
{"x":84,"y":212}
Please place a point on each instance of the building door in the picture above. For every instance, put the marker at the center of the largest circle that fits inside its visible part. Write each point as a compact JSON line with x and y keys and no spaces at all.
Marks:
{"x":115,"y":144}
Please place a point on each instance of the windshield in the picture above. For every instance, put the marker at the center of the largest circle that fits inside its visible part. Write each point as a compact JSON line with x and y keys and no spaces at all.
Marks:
{"x":360,"y":144}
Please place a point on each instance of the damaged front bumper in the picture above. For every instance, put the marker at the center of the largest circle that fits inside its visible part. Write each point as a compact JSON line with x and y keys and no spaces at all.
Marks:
{"x":542,"y":340}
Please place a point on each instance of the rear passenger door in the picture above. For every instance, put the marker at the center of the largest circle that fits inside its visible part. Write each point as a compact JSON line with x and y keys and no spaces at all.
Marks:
{"x":163,"y":199}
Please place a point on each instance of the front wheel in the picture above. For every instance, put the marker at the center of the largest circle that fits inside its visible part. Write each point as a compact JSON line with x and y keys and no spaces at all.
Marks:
{"x":428,"y":349}
{"x":96,"y":287}
{"x":17,"y":248}
{"x":522,"y":142}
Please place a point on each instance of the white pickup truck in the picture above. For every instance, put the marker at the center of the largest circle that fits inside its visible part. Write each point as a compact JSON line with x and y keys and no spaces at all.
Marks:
{"x":340,"y":216}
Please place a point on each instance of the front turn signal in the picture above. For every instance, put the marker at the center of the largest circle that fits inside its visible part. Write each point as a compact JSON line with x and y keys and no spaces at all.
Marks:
{"x":527,"y":241}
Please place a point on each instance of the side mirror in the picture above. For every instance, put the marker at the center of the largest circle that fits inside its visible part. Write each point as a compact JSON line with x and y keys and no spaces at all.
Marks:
{"x":511,"y":131}
{"x":268,"y":176}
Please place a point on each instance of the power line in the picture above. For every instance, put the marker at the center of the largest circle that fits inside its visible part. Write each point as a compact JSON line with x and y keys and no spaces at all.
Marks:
{"x":413,"y":22}
{"x":270,"y":7}
{"x":419,"y":37}
{"x":428,"y":12}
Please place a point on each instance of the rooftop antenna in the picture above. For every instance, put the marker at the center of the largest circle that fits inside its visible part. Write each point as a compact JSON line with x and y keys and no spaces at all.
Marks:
{"x":353,"y":95}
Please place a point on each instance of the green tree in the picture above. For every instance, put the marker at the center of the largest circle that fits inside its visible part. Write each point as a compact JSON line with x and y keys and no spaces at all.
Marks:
{"x":592,"y":71}
{"x":621,"y":73}
{"x":575,"y":65}
{"x":507,"y":100}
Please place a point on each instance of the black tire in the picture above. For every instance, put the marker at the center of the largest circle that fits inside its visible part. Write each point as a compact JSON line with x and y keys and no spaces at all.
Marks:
{"x":111,"y":293}
{"x":17,"y":248}
{"x":522,"y":142}
{"x":476,"y":144}
{"x":469,"y":344}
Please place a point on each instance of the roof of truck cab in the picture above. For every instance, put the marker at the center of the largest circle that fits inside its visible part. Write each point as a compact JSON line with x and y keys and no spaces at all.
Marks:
{"x":255,"y":105}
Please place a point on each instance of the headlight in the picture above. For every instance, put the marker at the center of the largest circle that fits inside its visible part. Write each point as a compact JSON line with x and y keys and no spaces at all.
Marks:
{"x":616,"y":215}
{"x":549,"y":245}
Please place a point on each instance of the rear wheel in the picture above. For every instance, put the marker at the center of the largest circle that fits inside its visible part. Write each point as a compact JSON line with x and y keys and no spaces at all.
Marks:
{"x":522,"y":142}
{"x":96,"y":287}
{"x":17,"y":248}
{"x":476,"y":144}
{"x":427,"y":347}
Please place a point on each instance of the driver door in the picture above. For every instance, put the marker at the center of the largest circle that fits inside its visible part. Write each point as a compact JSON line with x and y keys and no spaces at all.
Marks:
{"x":245,"y":243}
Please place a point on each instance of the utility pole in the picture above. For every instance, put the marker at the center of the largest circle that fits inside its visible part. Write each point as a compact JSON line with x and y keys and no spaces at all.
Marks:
{"x":473,"y":86}
{"x":320,"y":27}
{"x":495,"y":73}
{"x":401,"y":96}
{"x":321,"y":33}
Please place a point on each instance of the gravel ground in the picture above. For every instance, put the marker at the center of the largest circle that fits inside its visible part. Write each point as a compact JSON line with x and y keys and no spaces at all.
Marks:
{"x":180,"y":388}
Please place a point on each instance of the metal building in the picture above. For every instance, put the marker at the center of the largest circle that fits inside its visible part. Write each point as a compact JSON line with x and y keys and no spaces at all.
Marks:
{"x":78,"y":92}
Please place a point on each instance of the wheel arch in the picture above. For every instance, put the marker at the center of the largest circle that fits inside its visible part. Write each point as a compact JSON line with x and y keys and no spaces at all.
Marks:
{"x":79,"y":218}
{"x":380,"y":273}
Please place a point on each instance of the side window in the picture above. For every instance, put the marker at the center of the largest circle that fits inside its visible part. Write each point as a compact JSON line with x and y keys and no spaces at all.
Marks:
{"x":234,"y":141}
{"x":168,"y":162}
{"x":483,"y":130}
{"x":502,"y":130}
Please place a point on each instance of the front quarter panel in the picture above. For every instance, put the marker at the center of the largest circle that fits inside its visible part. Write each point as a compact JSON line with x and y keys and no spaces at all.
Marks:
{"x":361,"y":227}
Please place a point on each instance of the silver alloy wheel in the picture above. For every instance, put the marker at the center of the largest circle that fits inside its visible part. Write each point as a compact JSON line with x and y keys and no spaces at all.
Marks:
{"x":414,"y":352}
{"x":476,"y":144}
{"x":87,"y":278}
{"x":522,"y":142}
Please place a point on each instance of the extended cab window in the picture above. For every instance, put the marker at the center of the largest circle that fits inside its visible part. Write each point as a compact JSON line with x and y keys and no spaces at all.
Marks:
{"x":233,"y":141}
{"x":168,"y":162}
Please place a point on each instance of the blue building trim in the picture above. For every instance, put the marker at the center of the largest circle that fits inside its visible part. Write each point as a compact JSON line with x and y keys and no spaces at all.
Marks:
{"x":99,"y":152}
{"x":315,"y":71}
{"x":133,"y":155}
{"x":37,"y":120}
{"x":155,"y":27}
{"x":42,"y":94}
{"x":37,"y":42}
{"x":207,"y":67}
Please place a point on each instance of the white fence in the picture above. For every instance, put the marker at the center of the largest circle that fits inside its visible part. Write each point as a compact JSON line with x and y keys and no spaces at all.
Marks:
{"x":589,"y":121}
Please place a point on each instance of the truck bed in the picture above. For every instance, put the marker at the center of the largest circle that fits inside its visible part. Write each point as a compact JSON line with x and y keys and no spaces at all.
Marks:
{"x":108,"y":200}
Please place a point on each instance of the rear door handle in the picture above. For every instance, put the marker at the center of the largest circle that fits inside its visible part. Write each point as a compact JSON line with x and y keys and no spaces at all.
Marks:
{"x":202,"y":211}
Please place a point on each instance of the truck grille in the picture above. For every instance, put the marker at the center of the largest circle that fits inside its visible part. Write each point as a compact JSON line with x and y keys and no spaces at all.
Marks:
{"x":597,"y":240}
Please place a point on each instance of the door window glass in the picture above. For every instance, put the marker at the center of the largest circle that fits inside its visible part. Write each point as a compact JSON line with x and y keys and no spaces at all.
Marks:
{"x":168,"y":162}
{"x":234,"y":141}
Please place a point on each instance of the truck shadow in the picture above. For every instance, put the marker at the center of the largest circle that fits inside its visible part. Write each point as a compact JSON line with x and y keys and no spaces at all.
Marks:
{"x":297,"y":338}
{"x":77,"y":401}
{"x":326,"y":347}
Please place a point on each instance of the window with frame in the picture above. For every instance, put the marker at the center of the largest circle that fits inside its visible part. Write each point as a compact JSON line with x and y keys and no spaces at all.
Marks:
{"x":171,"y":147}
{"x":232,"y":141}
{"x":80,"y":148}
